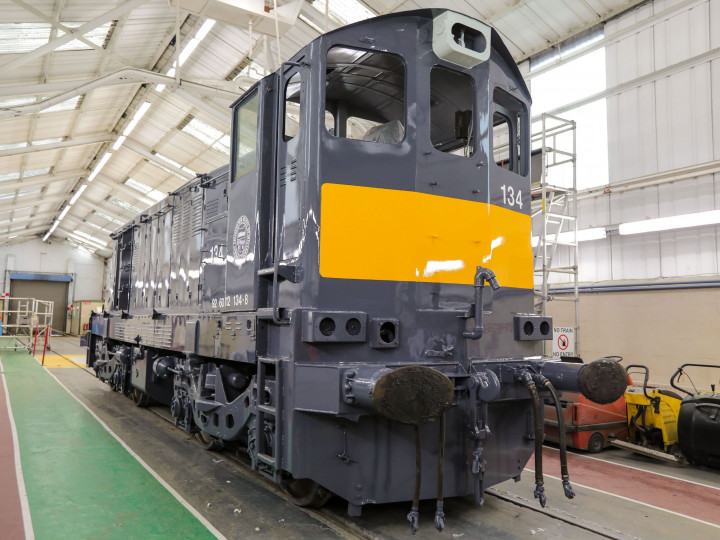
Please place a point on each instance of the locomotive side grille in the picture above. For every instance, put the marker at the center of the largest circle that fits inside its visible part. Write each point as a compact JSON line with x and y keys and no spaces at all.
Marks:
{"x":136,"y":252}
{"x":197,"y":201}
{"x":212,"y":208}
{"x":118,"y":331}
{"x":163,"y":336}
{"x":185,"y":218}
{"x":177,"y":220}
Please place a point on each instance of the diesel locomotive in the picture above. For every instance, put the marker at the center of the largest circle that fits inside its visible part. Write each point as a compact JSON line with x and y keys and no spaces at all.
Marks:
{"x":350,"y":300}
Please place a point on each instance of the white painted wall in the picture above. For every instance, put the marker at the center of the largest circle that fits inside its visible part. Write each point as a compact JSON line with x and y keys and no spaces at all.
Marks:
{"x":57,"y":258}
{"x":663,"y":125}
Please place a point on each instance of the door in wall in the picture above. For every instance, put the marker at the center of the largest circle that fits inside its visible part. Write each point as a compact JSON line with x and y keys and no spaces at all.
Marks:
{"x":54,"y":291}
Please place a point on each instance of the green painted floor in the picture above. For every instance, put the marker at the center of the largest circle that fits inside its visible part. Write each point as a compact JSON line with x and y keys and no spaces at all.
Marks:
{"x":81,"y":483}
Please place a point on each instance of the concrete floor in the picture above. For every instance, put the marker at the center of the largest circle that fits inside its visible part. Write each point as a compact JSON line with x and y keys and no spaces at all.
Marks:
{"x":677,"y":502}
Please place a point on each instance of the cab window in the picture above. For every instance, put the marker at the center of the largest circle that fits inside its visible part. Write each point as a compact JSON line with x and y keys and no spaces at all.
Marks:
{"x":452,"y":100}
{"x":365,"y":95}
{"x":245,"y":130}
{"x":510,"y":133}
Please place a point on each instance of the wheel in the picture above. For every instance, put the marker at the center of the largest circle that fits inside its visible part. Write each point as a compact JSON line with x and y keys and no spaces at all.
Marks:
{"x":306,"y":492}
{"x":140,"y":398}
{"x":596,"y":443}
{"x":209,"y":442}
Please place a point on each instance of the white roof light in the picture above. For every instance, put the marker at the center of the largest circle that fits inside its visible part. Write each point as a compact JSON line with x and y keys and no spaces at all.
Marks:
{"x":35,"y":172}
{"x":89,"y":238}
{"x":78,"y":193}
{"x":202,"y":131}
{"x":9,"y":176}
{"x":119,"y":142}
{"x":10,"y":146}
{"x":123,"y":204}
{"x":46,"y":141}
{"x":681,"y":221}
{"x":205,"y":29}
{"x":103,"y":215}
{"x":136,"y":118}
{"x":99,"y":166}
{"x":63,"y":213}
{"x":67,"y":105}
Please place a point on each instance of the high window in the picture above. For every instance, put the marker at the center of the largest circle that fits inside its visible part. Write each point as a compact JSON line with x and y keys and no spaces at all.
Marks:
{"x":510,"y":128}
{"x":245,"y":131}
{"x":452,"y":102}
{"x":365,"y":95}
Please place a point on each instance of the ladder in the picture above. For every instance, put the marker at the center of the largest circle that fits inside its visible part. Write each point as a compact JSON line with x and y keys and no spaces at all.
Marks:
{"x":554,"y":213}
{"x":268,"y":419}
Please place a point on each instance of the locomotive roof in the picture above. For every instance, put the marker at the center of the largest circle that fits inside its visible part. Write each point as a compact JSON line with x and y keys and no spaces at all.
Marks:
{"x":431,"y":13}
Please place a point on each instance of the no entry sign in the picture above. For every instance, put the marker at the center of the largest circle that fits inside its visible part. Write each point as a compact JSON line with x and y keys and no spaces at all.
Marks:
{"x":563,"y":341}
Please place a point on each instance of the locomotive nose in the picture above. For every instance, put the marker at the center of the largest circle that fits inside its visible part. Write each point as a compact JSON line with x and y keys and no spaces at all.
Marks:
{"x":411,"y":394}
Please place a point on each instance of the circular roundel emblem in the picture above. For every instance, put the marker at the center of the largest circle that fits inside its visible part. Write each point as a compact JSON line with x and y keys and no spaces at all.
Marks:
{"x":241,"y":238}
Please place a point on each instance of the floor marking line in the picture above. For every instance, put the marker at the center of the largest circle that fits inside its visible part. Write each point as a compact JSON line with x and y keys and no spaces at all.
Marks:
{"x":24,"y":503}
{"x":147,"y":467}
{"x":638,"y":469}
{"x":635,"y":501}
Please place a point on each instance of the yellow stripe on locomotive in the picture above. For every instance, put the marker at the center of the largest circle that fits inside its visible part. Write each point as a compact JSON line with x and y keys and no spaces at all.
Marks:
{"x":385,"y":234}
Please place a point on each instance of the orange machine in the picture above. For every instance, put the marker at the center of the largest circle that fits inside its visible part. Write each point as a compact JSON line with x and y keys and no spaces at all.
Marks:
{"x":587,"y":424}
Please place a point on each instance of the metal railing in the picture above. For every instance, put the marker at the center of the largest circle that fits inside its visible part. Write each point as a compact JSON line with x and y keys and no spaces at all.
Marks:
{"x":24,"y":323}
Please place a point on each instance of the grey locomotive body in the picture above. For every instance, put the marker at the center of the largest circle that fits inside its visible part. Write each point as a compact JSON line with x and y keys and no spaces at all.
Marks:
{"x":321,"y":303}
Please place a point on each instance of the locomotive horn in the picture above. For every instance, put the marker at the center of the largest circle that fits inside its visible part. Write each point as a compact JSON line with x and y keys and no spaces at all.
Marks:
{"x":602,"y":381}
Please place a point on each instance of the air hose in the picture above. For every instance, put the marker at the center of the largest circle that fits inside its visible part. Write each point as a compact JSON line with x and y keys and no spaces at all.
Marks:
{"x":414,"y":515}
{"x":526,"y":378}
{"x":569,"y":493}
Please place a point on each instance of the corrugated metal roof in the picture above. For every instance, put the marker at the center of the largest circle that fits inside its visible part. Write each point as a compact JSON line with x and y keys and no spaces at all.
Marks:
{"x":137,"y":34}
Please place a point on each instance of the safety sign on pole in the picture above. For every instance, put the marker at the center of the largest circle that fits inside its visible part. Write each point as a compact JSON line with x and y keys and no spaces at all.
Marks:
{"x":563,"y":341}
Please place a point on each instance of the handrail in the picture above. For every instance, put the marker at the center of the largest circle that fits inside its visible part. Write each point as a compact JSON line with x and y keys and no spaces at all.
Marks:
{"x":31,"y":318}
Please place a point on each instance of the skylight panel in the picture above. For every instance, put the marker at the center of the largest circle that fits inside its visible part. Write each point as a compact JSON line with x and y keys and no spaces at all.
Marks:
{"x":223,"y":145}
{"x":123,"y":204}
{"x":9,"y":176}
{"x":23,"y":37}
{"x":138,"y":186}
{"x":35,"y":172}
{"x":10,"y":146}
{"x":202,"y":131}
{"x":252,"y":70}
{"x":47,"y":141}
{"x":96,"y":35}
{"x":156,"y":195}
{"x":344,"y":11}
{"x":25,"y":192}
{"x":16,"y":101}
{"x":90,"y":238}
{"x":175,"y":163}
{"x":103,"y":215}
{"x":6,"y":196}
{"x":66,"y":105}
{"x":98,"y":227}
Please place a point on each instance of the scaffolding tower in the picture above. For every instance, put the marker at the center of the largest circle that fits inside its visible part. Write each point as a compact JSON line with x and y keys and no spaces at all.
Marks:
{"x":554,"y":212}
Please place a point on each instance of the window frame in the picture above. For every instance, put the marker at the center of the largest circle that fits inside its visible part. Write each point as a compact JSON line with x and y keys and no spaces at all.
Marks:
{"x":253,"y":93}
{"x":475,"y":108}
{"x":333,"y":134}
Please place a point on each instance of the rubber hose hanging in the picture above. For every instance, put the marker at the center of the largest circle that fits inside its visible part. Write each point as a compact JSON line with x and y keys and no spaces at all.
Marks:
{"x":439,"y":513}
{"x":569,"y":493}
{"x":526,"y":378}
{"x":414,"y":515}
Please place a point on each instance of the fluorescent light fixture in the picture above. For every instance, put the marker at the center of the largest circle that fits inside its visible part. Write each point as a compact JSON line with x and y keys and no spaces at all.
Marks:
{"x":119,"y":142}
{"x":63,"y":213}
{"x":78,"y":193}
{"x":52,"y":229}
{"x":188,"y":50}
{"x":311,"y":24}
{"x":99,"y":166}
{"x":681,"y":221}
{"x":107,"y":217}
{"x":138,"y":115}
{"x":88,"y":238}
{"x":205,"y":29}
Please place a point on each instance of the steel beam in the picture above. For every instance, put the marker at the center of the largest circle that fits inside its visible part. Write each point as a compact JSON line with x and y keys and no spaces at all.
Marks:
{"x":54,"y":146}
{"x":123,"y":7}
